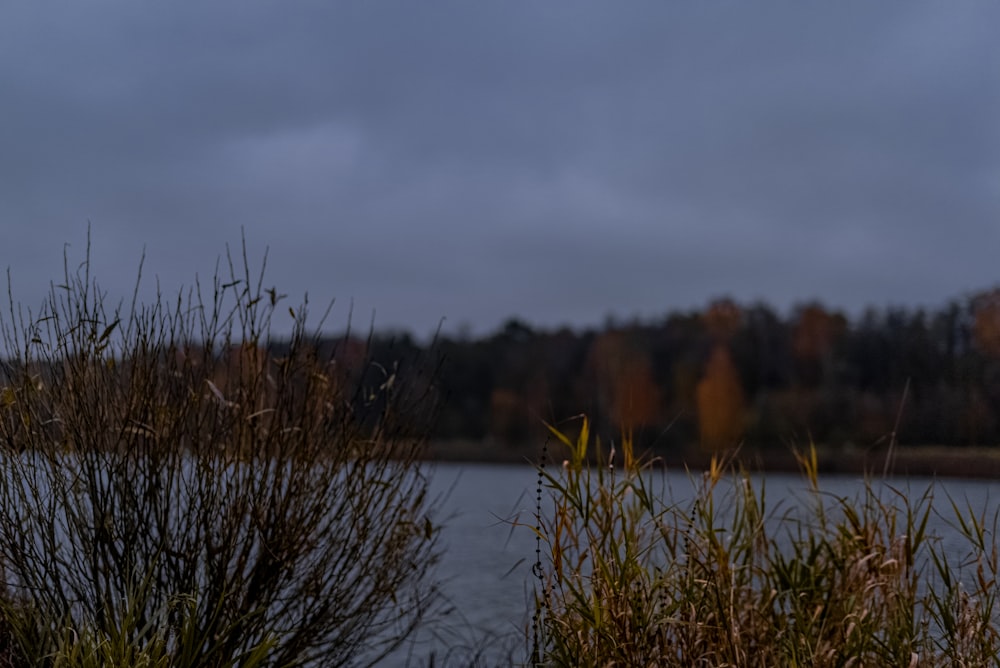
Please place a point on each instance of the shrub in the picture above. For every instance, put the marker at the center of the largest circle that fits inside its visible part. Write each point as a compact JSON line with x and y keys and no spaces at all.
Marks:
{"x":629,"y":575}
{"x":177,"y":488}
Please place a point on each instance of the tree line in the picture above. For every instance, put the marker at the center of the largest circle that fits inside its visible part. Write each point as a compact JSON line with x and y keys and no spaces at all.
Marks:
{"x":727,"y":374}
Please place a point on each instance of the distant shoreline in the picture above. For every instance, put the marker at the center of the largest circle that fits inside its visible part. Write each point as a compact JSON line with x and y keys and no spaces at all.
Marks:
{"x":920,"y":461}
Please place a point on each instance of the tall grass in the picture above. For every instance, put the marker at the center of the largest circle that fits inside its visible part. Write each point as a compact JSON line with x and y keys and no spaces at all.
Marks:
{"x":628,"y":575}
{"x":179,"y":488}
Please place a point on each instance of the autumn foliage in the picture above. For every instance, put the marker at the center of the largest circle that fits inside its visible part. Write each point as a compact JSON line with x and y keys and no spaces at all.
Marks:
{"x":811,"y":373}
{"x":986,"y":329}
{"x":721,"y":404}
{"x":624,"y":381}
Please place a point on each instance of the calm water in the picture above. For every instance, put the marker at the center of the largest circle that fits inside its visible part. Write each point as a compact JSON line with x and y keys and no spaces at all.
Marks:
{"x":486,"y":565}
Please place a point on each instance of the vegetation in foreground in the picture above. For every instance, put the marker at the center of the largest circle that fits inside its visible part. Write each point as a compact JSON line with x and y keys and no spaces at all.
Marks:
{"x":176,"y":491}
{"x":629,"y":577}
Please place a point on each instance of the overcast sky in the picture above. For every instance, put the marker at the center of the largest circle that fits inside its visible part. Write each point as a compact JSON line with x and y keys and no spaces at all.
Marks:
{"x":475,"y":160}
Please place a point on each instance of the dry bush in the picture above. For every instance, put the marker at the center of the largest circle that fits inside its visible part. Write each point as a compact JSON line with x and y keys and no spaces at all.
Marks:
{"x":175,"y":484}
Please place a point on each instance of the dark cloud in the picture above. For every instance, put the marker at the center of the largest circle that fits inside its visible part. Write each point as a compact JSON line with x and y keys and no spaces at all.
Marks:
{"x":474,"y":160}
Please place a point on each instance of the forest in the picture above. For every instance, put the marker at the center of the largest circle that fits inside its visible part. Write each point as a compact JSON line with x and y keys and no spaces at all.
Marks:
{"x":724,"y":375}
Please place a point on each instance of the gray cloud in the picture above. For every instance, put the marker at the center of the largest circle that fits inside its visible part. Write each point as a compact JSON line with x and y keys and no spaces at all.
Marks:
{"x":476,"y":160}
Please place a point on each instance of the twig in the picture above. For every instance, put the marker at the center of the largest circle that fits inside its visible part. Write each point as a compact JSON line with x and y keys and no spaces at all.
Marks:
{"x":895,"y":429}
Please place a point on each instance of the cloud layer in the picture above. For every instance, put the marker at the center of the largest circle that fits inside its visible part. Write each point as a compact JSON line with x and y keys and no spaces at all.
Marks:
{"x":472,"y":161}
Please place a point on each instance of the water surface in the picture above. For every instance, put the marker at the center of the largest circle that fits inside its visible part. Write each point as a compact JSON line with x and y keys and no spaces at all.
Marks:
{"x":486,"y":561}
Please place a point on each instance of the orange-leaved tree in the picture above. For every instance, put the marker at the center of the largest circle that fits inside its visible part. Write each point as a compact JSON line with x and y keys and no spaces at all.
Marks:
{"x":720,"y":401}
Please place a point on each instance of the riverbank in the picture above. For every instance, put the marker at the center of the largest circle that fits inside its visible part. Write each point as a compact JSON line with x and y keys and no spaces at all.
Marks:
{"x":925,"y":461}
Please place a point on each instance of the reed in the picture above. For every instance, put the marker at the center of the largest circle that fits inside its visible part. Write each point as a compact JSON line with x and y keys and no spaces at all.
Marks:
{"x":631,"y":574}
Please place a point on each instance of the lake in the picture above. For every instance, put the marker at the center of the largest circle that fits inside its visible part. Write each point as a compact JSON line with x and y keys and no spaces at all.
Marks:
{"x":486,"y":563}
